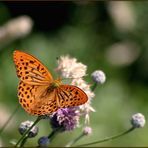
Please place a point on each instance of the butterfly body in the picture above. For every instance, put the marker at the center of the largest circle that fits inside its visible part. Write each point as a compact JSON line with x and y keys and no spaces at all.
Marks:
{"x":38,"y":93}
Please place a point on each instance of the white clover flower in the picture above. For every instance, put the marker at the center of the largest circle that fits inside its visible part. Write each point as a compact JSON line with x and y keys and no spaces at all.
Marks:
{"x":98,"y":76}
{"x":138,"y":120}
{"x":70,"y":68}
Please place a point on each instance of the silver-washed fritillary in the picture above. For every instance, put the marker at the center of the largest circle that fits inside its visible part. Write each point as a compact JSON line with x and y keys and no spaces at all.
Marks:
{"x":39,"y":94}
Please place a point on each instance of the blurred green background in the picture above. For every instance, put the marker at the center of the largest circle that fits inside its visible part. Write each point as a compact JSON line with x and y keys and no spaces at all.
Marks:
{"x":111,"y":36}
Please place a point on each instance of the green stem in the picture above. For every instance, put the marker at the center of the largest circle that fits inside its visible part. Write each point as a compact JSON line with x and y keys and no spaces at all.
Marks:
{"x":94,"y":86}
{"x":74,"y":141}
{"x":27,"y":131}
{"x":24,"y":141}
{"x":11,"y":116}
{"x":52,"y":134}
{"x":109,"y":138}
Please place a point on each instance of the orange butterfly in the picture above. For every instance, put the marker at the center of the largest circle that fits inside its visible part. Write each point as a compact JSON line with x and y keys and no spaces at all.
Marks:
{"x":39,"y":94}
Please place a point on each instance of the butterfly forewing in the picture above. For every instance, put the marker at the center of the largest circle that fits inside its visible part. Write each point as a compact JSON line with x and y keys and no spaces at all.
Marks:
{"x":30,"y":70}
{"x":70,"y":96}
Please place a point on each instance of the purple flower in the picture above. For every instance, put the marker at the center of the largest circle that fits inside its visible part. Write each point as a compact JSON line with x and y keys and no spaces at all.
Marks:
{"x":65,"y":118}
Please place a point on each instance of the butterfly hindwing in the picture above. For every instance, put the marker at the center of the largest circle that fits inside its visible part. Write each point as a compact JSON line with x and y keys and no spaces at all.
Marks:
{"x":46,"y":103}
{"x":69,"y":96}
{"x":36,"y":100}
{"x":25,"y":96}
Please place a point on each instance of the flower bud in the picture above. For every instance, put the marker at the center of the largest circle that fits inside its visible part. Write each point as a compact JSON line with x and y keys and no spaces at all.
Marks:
{"x":138,"y":120}
{"x":43,"y":141}
{"x":87,"y":130}
{"x":98,"y":76}
{"x":25,"y":126}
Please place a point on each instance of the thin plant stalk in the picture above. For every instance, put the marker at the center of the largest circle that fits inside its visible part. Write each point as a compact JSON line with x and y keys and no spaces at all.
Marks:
{"x":94,"y":86}
{"x":24,"y":141}
{"x":27,"y":131}
{"x":53,"y":134}
{"x":109,"y":138}
{"x":9,"y":119}
{"x":75,"y":140}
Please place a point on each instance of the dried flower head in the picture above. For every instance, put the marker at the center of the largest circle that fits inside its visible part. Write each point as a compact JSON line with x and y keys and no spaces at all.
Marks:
{"x":138,"y":120}
{"x":24,"y":126}
{"x":98,"y":76}
{"x":70,"y":68}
